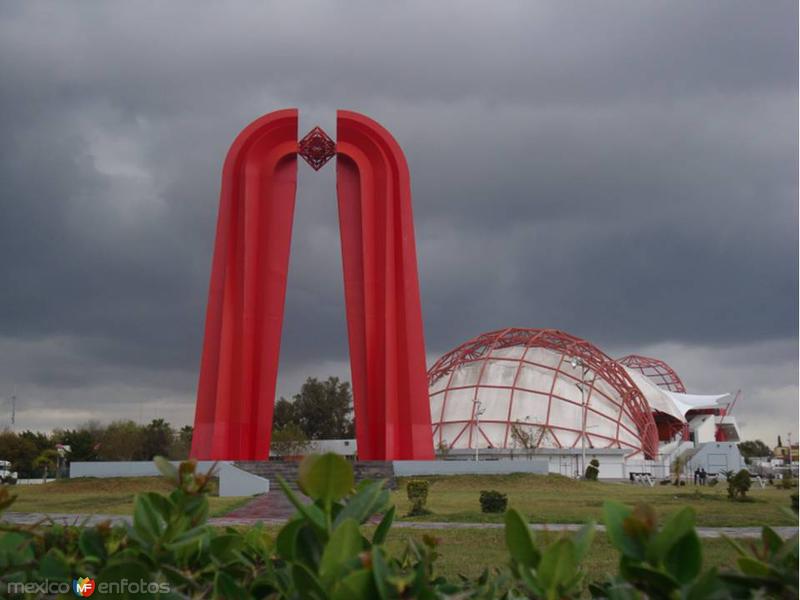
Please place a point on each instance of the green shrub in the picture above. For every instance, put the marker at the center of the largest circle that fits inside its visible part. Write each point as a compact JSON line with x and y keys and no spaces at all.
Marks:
{"x":738,"y":485}
{"x":417,"y":492}
{"x":325,"y":551}
{"x":493,"y":501}
{"x":667,"y":563}
{"x":794,"y":499}
{"x":592,"y":470}
{"x":788,"y":483}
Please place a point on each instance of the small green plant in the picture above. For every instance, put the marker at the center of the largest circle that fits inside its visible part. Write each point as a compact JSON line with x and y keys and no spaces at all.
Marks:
{"x":592,"y":470}
{"x":677,"y":468}
{"x":442,"y":449}
{"x":493,"y":501}
{"x":417,"y":492}
{"x":794,"y":501}
{"x":330,"y":550}
{"x":661,"y":564}
{"x":551,"y":572}
{"x":767,"y":570}
{"x":788,"y":483}
{"x":738,"y":485}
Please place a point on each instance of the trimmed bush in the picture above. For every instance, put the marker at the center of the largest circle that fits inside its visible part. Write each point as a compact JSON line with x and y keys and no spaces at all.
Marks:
{"x":592,"y":470}
{"x":417,"y":492}
{"x":493,"y":501}
{"x":794,"y":502}
{"x":738,"y":485}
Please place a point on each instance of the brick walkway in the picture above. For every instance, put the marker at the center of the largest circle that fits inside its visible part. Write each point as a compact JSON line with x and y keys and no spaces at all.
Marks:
{"x":272,"y":506}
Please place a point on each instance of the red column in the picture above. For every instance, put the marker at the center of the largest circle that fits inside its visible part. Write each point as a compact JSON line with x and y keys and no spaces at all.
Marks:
{"x":236,"y":391}
{"x":384,"y":317}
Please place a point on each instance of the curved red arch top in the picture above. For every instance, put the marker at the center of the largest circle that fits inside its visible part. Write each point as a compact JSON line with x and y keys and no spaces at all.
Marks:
{"x":657,"y":370}
{"x":633,"y":401}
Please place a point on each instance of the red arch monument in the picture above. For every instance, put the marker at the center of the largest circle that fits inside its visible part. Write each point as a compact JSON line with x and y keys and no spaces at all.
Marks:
{"x":239,"y":367}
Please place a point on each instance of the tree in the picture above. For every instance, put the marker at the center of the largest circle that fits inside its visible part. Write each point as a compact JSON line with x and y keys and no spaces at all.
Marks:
{"x":20,"y":451}
{"x":122,"y":440}
{"x":283,"y":415}
{"x":289,"y":441}
{"x":182,"y":443}
{"x":755,"y":448}
{"x":677,"y":469}
{"x":322,"y":409}
{"x":157,"y":439}
{"x":529,"y":437}
{"x":39,"y":439}
{"x":185,"y":435}
{"x":46,"y":463}
{"x":83,"y":443}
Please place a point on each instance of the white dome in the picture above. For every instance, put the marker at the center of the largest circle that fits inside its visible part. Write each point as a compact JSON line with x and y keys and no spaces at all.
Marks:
{"x":528,"y":394}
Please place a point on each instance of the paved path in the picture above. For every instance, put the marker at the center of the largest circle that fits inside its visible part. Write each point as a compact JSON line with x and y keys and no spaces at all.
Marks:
{"x":272,"y":506}
{"x":231,"y":520}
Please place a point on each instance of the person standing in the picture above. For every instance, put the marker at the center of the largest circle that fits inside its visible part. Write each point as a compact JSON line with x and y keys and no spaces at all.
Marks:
{"x":697,"y":475}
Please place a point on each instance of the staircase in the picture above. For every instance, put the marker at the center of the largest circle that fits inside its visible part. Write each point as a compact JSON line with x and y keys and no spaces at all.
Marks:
{"x":270,"y":469}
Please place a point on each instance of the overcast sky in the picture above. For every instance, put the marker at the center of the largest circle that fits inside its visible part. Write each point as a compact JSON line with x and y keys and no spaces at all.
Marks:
{"x":626,"y":172}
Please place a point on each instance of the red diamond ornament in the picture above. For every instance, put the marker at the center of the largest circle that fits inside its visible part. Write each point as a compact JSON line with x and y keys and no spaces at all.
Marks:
{"x":317,"y":148}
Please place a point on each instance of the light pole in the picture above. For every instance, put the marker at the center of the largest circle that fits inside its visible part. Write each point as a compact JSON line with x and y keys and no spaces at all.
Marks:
{"x":578,"y":362}
{"x":478,"y":410}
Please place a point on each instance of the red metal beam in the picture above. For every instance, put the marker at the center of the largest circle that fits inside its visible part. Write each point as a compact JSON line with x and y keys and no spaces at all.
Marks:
{"x":239,"y":366}
{"x":384,"y":315}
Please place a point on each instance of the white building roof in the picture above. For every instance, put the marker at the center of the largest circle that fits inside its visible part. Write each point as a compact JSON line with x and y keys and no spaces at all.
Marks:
{"x":672,"y":403}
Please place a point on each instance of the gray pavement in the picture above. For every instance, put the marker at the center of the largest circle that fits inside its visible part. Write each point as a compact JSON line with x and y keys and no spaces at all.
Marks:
{"x":73,"y":519}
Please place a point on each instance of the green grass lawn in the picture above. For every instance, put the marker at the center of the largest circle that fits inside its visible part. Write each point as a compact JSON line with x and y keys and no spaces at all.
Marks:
{"x":466,"y":551}
{"x":469,"y":551}
{"x":106,"y":496}
{"x":557,"y":499}
{"x":545,"y":499}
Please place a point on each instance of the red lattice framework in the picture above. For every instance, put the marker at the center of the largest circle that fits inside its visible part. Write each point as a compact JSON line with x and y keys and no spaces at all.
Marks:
{"x":656,"y":370}
{"x":665,"y":377}
{"x":631,"y":402}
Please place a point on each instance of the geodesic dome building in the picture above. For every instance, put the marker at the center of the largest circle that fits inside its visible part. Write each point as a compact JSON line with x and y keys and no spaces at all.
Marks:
{"x":535,"y":388}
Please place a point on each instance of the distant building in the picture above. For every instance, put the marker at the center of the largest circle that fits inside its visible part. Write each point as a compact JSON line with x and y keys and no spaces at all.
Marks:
{"x":543,"y":391}
{"x":782,"y":453}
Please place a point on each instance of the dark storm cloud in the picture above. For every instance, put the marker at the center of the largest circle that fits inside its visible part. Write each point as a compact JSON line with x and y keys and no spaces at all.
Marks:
{"x":627,"y":173}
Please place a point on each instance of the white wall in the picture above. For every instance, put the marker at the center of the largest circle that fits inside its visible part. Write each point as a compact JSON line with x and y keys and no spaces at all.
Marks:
{"x":132,"y":468}
{"x":232,"y":480}
{"x":410,"y":468}
{"x":611,"y":465}
{"x":342,"y":447}
{"x":716,"y":457}
{"x":704,"y":429}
